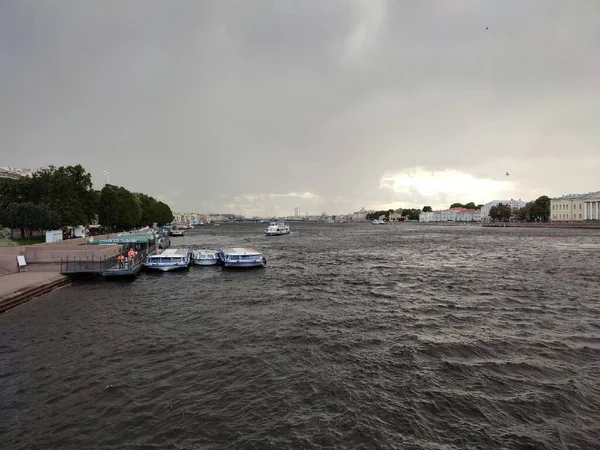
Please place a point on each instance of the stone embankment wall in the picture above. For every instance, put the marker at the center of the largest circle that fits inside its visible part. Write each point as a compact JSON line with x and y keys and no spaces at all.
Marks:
{"x":583,"y":225}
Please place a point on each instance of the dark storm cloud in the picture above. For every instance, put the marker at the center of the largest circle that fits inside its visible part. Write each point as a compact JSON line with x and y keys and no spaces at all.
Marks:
{"x":312,"y":101}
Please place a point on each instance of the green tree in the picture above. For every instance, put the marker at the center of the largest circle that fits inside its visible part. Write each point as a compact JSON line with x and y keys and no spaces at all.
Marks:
{"x":501,"y":212}
{"x":427,"y":209}
{"x":457,"y":205}
{"x":27,"y":216}
{"x":414,"y":214}
{"x":470,"y":205}
{"x":118,"y":209}
{"x":68,"y":190}
{"x":164,"y":214}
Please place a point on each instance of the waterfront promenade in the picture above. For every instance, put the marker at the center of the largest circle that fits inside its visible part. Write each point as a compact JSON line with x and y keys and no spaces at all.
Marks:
{"x":17,"y":288}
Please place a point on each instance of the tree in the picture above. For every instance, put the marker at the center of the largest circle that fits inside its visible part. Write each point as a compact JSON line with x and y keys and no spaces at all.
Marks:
{"x":413,"y":214}
{"x":427,"y":209}
{"x":28,"y":217}
{"x":457,"y":205}
{"x":470,"y":205}
{"x":118,"y":208}
{"x":501,"y":212}
{"x":536,"y":211}
{"x":64,"y":196}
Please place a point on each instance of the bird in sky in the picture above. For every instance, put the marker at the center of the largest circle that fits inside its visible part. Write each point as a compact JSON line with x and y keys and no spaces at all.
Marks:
{"x":506,"y":173}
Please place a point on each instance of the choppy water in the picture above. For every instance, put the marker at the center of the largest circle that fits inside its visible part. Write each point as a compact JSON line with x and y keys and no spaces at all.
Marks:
{"x":354,"y":336}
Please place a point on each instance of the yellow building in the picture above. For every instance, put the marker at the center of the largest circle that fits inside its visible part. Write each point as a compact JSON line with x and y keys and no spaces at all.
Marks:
{"x":572,"y":207}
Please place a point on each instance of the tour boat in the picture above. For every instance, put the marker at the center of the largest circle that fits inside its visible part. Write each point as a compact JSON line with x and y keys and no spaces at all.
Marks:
{"x":277,"y":229}
{"x":205,"y":257}
{"x":241,"y":257}
{"x":176,"y":232}
{"x":379,"y":222}
{"x":171,"y":259}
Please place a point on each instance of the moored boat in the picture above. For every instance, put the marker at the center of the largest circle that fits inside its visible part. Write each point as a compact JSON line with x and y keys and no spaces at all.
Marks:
{"x":277,"y":229}
{"x":171,"y":259}
{"x":205,"y":257}
{"x":174,"y":231}
{"x":239,"y":257}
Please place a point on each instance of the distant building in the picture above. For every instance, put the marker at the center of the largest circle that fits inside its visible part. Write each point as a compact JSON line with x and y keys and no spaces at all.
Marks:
{"x":395,"y":216}
{"x":514,"y":204}
{"x":296,"y":212}
{"x":14,"y":173}
{"x":361,"y":214}
{"x":575,"y":207}
{"x":451,"y":215}
{"x":592,"y":206}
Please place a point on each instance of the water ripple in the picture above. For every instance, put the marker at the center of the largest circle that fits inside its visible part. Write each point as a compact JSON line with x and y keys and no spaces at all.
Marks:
{"x":354,"y":336}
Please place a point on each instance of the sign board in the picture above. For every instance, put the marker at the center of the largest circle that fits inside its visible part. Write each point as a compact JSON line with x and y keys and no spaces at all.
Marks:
{"x":143,"y":239}
{"x":22,"y":263}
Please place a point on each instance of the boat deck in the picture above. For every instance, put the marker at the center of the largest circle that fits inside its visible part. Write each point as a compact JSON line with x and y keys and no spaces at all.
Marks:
{"x":125,"y":271}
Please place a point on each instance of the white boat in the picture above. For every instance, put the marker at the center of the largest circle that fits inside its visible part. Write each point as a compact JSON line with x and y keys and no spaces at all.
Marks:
{"x":277,"y":229}
{"x":241,"y":257}
{"x":379,"y":222}
{"x":176,"y":232}
{"x":205,"y":257}
{"x":171,"y":259}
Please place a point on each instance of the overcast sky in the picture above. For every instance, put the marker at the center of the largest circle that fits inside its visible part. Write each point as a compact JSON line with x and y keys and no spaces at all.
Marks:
{"x":257,"y":107}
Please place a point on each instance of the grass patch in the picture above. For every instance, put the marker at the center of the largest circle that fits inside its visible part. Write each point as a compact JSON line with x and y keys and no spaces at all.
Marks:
{"x":31,"y":241}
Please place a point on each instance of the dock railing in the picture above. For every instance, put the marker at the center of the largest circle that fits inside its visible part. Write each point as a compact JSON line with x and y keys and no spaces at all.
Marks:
{"x":86,"y":265}
{"x":100,"y":266}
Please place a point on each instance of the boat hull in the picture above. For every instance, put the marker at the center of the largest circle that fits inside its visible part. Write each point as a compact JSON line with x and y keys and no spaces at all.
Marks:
{"x":163,"y":268}
{"x":205,"y":262}
{"x":244,"y":264}
{"x":276,"y":233}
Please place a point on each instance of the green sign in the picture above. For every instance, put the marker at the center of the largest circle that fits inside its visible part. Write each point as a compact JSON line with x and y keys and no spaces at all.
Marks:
{"x":128,"y":239}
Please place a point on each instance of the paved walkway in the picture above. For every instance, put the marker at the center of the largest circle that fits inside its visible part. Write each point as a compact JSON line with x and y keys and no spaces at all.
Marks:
{"x":15,"y":282}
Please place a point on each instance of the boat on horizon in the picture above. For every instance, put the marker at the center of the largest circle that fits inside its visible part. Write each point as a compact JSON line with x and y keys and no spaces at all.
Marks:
{"x":379,"y":222}
{"x":277,"y":229}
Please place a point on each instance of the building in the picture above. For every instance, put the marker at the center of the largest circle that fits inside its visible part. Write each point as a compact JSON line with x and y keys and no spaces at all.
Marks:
{"x":451,"y":215}
{"x":362,"y":214}
{"x":296,"y":211}
{"x":14,"y":173}
{"x":429,"y":216}
{"x":514,"y":204}
{"x":573,"y":207}
{"x":591,"y":206}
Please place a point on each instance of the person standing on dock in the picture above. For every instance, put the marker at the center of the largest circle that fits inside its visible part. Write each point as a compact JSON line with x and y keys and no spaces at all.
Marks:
{"x":121,"y":260}
{"x":131,"y":255}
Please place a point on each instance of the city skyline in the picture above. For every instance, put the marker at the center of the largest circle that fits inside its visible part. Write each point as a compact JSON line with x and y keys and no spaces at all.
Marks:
{"x":260,"y":107}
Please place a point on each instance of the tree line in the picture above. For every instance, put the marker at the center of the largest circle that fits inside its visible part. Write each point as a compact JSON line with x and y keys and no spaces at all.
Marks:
{"x":535,"y":211}
{"x":53,"y":198}
{"x":407,"y":214}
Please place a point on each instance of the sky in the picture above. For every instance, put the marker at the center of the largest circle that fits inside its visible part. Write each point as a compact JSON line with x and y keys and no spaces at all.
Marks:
{"x":258,"y":107}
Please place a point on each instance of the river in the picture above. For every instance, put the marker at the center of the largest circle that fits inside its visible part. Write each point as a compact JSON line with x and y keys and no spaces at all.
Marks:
{"x":354,"y":336}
